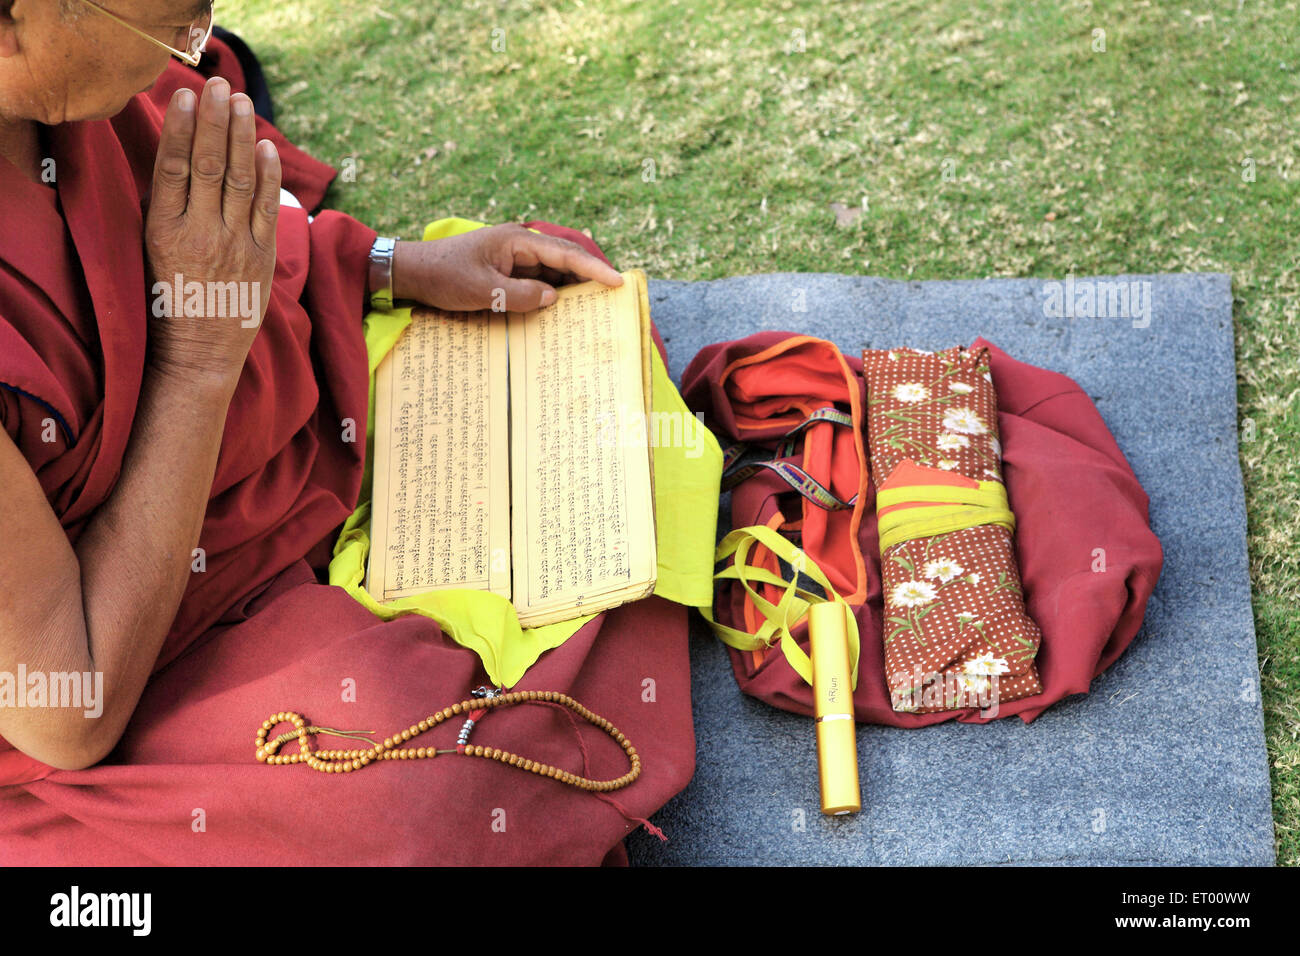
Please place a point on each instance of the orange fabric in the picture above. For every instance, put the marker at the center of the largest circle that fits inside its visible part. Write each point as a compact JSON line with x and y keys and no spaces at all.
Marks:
{"x":802,"y":374}
{"x":762,"y":413}
{"x":909,"y":472}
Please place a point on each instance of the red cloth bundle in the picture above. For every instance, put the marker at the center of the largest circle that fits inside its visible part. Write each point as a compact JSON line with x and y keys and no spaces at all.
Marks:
{"x":1088,"y":559}
{"x":956,"y":633}
{"x":815,"y":376}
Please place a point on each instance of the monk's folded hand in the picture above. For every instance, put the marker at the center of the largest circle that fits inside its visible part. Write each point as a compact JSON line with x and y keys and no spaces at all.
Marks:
{"x":506,"y":268}
{"x":210,"y":234}
{"x":103,"y":603}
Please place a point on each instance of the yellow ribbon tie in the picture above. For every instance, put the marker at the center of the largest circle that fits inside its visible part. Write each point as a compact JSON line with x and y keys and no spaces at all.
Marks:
{"x":778,"y":618}
{"x":961,"y":508}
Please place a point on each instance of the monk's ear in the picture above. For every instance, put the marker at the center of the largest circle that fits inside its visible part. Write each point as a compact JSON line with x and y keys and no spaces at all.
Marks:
{"x":8,"y":29}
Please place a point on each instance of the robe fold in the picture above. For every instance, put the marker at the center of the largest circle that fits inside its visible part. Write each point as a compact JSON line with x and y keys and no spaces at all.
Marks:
{"x":256,"y":633}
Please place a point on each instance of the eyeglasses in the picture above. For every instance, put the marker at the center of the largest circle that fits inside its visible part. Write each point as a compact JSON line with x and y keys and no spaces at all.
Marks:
{"x":194,"y":40}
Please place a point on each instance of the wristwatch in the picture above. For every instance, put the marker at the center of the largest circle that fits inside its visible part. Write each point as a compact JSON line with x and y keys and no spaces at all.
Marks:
{"x":381,"y":273}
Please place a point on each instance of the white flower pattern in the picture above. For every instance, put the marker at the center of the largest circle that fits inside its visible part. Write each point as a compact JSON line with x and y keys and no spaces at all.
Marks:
{"x":964,"y":421}
{"x":913,"y":594}
{"x":911,"y":392}
{"x":976,"y":684}
{"x":905,"y":703}
{"x":987,"y":664}
{"x":944,"y":569}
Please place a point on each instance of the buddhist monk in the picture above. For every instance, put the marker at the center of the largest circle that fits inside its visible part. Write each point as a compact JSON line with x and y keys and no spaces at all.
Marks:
{"x":142,"y":427}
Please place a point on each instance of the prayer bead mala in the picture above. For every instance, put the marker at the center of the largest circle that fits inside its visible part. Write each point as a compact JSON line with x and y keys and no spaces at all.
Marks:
{"x":346,"y":761}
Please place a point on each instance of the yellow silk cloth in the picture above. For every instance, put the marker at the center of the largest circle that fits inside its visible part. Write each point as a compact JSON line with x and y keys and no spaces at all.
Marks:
{"x":686,"y":483}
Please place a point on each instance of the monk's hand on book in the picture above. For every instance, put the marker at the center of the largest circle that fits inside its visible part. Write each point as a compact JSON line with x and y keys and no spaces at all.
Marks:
{"x":210,"y":234}
{"x":506,"y":268}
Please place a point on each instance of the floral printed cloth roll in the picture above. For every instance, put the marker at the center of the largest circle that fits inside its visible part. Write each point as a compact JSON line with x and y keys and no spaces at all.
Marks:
{"x":956,"y":631}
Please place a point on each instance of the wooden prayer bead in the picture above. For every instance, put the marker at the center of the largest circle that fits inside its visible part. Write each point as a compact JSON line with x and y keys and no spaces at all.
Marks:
{"x":346,"y":761}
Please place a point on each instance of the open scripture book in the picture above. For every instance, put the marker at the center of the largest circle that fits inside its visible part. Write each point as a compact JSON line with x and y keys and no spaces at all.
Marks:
{"x":512,"y":454}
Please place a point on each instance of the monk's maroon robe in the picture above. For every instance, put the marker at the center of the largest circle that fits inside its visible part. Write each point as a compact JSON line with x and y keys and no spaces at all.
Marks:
{"x":256,"y":633}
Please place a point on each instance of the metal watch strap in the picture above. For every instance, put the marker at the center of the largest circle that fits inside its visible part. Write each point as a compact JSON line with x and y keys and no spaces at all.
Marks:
{"x":381,"y":273}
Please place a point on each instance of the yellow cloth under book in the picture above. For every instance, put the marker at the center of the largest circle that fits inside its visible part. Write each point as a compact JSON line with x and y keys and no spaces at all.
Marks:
{"x":687,"y":479}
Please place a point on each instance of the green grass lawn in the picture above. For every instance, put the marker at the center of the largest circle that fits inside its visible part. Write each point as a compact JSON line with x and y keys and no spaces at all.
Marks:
{"x":699,"y":139}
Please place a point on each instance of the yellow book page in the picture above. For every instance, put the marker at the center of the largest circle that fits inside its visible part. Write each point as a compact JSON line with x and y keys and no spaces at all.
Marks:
{"x":582,"y":505}
{"x":440,"y":513}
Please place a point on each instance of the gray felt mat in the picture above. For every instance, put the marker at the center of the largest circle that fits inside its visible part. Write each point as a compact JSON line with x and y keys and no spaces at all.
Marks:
{"x":1163,"y":762}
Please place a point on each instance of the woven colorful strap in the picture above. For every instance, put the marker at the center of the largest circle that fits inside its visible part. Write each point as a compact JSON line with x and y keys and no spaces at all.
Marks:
{"x":960,"y":508}
{"x":734,"y":471}
{"x":780,"y":617}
